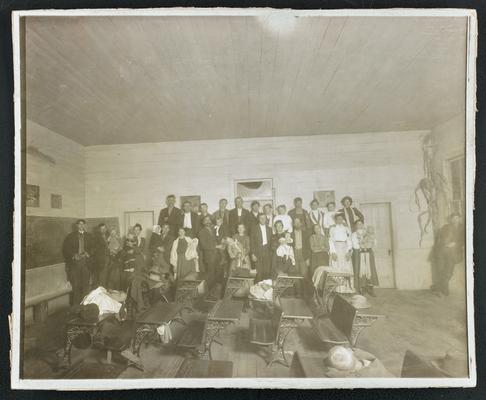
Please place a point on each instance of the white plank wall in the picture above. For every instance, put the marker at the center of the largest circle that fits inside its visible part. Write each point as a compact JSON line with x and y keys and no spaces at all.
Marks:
{"x":66,"y":176}
{"x":386,"y":168}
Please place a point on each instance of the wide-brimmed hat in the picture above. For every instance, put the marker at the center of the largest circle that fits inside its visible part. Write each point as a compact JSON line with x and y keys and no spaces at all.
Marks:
{"x":358,"y":301}
{"x":453,"y":364}
{"x":341,"y":358}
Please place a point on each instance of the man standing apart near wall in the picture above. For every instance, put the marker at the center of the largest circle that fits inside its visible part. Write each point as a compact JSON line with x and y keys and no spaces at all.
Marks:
{"x":448,"y":250}
{"x":77,"y":250}
{"x":170,"y":215}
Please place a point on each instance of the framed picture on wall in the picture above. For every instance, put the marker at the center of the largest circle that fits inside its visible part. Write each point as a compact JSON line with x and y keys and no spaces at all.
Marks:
{"x":255,"y":189}
{"x":195,"y":201}
{"x":324,"y":197}
{"x":32,"y":196}
{"x":56,"y":201}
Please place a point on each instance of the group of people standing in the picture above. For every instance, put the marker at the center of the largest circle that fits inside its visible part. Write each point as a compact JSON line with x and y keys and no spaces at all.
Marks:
{"x":297,"y":241}
{"x":256,"y":240}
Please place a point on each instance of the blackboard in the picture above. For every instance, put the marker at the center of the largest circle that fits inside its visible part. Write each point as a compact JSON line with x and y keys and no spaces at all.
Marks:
{"x":44,"y":237}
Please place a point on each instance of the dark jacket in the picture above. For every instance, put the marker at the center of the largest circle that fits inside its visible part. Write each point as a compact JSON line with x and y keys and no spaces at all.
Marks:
{"x":449,"y":235}
{"x":234,"y":220}
{"x":174,"y":219}
{"x":256,"y":241}
{"x":207,"y":239}
{"x":306,"y":250}
{"x":224,"y":215}
{"x":252,"y":221}
{"x":305,"y":218}
{"x":166,"y":242}
{"x":223,"y":232}
{"x":358,"y":214}
{"x":71,"y":246}
{"x":100,"y":250}
{"x":194,"y":223}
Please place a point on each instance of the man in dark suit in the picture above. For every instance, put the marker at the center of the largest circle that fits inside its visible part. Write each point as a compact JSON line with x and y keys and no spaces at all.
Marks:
{"x":302,"y":254}
{"x":189,"y":220}
{"x":161,"y":243}
{"x":101,"y":257}
{"x":222,"y":213}
{"x":253,"y":216}
{"x":78,"y":248}
{"x":238,"y":215}
{"x":208,"y":243}
{"x":170,"y":215}
{"x":260,"y":250}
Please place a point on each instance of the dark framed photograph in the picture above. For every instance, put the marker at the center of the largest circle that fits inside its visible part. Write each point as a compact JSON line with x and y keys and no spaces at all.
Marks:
{"x":56,"y":201}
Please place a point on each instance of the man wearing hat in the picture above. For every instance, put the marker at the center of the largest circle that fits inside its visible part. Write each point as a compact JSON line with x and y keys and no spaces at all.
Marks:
{"x":351,"y":214}
{"x":77,"y":250}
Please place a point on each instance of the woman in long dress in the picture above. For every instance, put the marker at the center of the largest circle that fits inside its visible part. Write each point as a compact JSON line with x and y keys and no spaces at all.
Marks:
{"x":365,"y":275}
{"x":184,"y":257}
{"x":341,"y":247}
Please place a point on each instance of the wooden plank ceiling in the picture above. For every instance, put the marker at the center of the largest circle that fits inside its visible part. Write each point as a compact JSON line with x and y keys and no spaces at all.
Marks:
{"x":107,"y":80}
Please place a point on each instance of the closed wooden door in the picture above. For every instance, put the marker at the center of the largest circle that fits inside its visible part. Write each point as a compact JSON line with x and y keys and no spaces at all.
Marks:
{"x":378,"y":215}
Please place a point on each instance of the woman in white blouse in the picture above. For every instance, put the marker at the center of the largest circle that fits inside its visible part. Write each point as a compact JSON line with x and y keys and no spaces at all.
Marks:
{"x":341,"y":248}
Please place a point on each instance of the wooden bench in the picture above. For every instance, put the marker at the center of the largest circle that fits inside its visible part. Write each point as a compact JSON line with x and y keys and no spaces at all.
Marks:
{"x":43,"y":285}
{"x":344,"y":324}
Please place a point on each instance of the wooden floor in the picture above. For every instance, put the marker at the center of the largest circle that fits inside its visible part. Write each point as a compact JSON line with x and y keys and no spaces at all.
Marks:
{"x":415,"y":320}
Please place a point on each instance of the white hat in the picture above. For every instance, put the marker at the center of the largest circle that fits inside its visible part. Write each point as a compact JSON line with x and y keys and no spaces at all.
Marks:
{"x":341,"y":358}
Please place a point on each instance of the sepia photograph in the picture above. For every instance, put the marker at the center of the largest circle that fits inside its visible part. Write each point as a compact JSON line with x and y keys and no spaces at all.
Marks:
{"x":244,"y":198}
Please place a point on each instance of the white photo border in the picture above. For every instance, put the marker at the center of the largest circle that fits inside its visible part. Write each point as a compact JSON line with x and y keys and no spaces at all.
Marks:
{"x":281,"y":383}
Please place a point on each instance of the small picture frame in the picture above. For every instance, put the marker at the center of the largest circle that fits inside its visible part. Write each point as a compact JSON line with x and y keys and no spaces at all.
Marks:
{"x":56,"y":201}
{"x":32,"y":196}
{"x":195,"y":201}
{"x":324,"y":197}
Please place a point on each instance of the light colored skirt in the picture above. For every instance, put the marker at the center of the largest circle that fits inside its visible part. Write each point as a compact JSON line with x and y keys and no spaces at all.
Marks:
{"x":343,"y":265}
